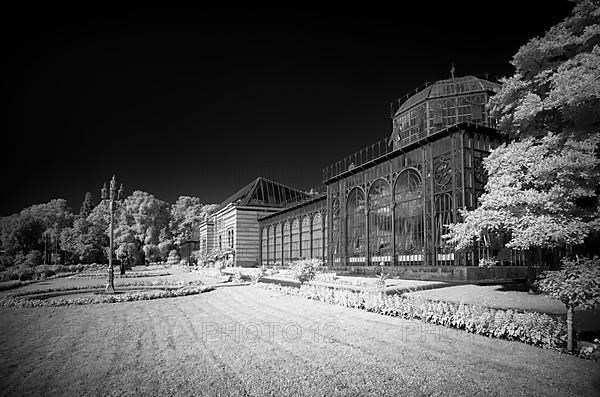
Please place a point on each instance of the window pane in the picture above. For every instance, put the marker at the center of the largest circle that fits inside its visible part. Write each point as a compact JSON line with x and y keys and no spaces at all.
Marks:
{"x":408,"y":217}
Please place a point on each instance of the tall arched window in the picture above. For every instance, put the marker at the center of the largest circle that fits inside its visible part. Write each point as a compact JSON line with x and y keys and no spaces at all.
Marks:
{"x":278,"y":252}
{"x":305,"y":237}
{"x":317,"y":236}
{"x":408,"y":217}
{"x":443,"y":217}
{"x":335,"y":230}
{"x":271,"y":246}
{"x":265,"y":250}
{"x":295,"y":239}
{"x":380,"y":221}
{"x":286,"y":242}
{"x":355,"y":226}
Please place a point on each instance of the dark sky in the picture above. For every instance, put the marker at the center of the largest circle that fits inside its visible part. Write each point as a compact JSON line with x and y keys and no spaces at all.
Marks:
{"x":199,"y":102}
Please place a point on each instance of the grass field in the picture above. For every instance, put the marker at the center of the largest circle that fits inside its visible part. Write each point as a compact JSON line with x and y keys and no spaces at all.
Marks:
{"x":247,"y":341}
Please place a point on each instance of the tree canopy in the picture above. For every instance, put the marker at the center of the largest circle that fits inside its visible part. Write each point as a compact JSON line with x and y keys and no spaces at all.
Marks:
{"x":556,"y":85}
{"x":542,"y":189}
{"x":186,"y":213}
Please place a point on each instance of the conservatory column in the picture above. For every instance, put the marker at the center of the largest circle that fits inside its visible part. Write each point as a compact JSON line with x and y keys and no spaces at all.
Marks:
{"x":260,"y":250}
{"x":394,"y":261}
{"x":368,"y":250}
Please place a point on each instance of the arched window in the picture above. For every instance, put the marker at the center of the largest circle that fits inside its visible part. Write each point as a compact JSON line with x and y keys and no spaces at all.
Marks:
{"x":317,"y":236}
{"x":265,"y":250}
{"x":305,"y":237}
{"x":443,"y":217}
{"x":355,"y":226}
{"x":295,"y":239}
{"x":278,"y":259}
{"x":271,"y":245}
{"x":286,"y":242}
{"x":408,"y":217}
{"x":380,"y":221}
{"x":335,"y":230}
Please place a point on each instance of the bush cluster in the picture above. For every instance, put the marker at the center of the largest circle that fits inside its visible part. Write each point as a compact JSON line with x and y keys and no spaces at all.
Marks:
{"x":24,"y":272}
{"x":530,"y":327}
{"x":305,"y":270}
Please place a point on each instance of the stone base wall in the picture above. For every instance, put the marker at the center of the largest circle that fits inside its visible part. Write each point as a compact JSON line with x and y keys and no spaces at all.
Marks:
{"x":436,"y":273}
{"x":440,"y":273}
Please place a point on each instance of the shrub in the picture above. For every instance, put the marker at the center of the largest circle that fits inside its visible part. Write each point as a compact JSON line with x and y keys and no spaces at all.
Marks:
{"x":6,"y":260}
{"x":173,"y":258}
{"x":19,"y":259}
{"x":577,"y":283}
{"x":238,"y":277}
{"x":380,"y":282}
{"x":25,"y":273}
{"x":258,"y":275}
{"x":45,"y":271}
{"x":305,"y":270}
{"x":34,"y":258}
{"x":326,"y":277}
{"x":487,"y":262}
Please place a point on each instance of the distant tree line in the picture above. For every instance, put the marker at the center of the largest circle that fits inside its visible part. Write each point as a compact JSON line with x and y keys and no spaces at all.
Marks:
{"x":146,"y":229}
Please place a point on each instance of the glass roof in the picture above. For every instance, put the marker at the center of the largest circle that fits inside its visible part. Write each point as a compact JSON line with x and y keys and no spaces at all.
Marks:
{"x":267,"y":193}
{"x":452,"y":86}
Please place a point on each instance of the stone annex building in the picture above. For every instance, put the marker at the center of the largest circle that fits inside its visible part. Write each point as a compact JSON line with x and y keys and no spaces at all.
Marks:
{"x":386,"y":204}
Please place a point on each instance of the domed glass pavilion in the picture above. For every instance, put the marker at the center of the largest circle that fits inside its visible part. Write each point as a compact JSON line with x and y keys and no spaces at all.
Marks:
{"x":390,"y":203}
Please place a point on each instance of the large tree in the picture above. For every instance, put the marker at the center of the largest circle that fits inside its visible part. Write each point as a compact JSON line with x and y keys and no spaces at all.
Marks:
{"x":542,"y":189}
{"x":35,"y":228}
{"x":138,"y":221}
{"x":87,"y":206}
{"x":187,"y":213}
{"x":85,"y":241}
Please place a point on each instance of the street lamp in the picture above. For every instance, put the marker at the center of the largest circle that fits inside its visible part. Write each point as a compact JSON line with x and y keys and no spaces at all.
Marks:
{"x":111,"y":195}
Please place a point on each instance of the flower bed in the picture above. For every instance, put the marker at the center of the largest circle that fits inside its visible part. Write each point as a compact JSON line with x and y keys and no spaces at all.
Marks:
{"x":126,"y":275}
{"x":532,"y":328}
{"x":96,"y":299}
{"x":173,"y":284}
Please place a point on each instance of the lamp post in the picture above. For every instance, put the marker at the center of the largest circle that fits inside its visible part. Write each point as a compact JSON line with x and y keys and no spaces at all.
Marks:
{"x":111,"y":195}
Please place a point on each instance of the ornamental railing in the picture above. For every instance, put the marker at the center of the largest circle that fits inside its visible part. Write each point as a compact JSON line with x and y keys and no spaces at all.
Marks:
{"x":384,"y":147}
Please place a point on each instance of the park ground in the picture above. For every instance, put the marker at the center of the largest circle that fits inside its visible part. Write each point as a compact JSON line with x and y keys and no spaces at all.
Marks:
{"x":243,"y":340}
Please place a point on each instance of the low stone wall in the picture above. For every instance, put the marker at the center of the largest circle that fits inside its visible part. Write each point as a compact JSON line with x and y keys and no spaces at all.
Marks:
{"x":434,"y":273}
{"x":440,"y":273}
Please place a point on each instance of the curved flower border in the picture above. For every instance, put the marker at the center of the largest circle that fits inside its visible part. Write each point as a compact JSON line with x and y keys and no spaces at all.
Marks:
{"x":96,"y":299}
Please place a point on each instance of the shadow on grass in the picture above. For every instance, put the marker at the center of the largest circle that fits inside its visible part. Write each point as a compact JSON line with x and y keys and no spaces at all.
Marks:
{"x":518,"y":286}
{"x":404,"y":290}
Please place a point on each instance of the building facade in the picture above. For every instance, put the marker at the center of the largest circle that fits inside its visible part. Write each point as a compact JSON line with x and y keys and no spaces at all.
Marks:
{"x":389,"y":204}
{"x":231,"y":233}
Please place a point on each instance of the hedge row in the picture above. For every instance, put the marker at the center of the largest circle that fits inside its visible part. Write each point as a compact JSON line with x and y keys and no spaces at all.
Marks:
{"x":96,"y":299}
{"x":24,"y":273}
{"x":529,"y":327}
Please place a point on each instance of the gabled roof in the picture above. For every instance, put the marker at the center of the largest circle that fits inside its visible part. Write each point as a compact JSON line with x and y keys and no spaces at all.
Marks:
{"x":263,"y":192}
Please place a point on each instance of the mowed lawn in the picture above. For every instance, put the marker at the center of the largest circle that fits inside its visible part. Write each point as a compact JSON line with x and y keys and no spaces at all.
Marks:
{"x":248,"y":341}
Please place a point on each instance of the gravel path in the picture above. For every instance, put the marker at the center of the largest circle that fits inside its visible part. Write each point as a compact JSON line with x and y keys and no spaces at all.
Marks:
{"x":245,"y":341}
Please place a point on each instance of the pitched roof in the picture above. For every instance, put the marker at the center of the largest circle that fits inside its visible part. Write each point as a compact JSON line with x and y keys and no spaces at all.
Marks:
{"x":263,"y":192}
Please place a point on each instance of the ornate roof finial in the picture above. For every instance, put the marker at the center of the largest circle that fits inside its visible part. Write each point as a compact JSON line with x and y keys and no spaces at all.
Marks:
{"x":452,"y":69}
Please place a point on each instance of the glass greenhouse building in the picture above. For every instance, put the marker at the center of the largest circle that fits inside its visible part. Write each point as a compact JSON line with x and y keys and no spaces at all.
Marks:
{"x":390,"y":203}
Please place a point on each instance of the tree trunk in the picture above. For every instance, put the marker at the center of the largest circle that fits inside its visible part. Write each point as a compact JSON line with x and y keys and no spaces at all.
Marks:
{"x":570,"y":328}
